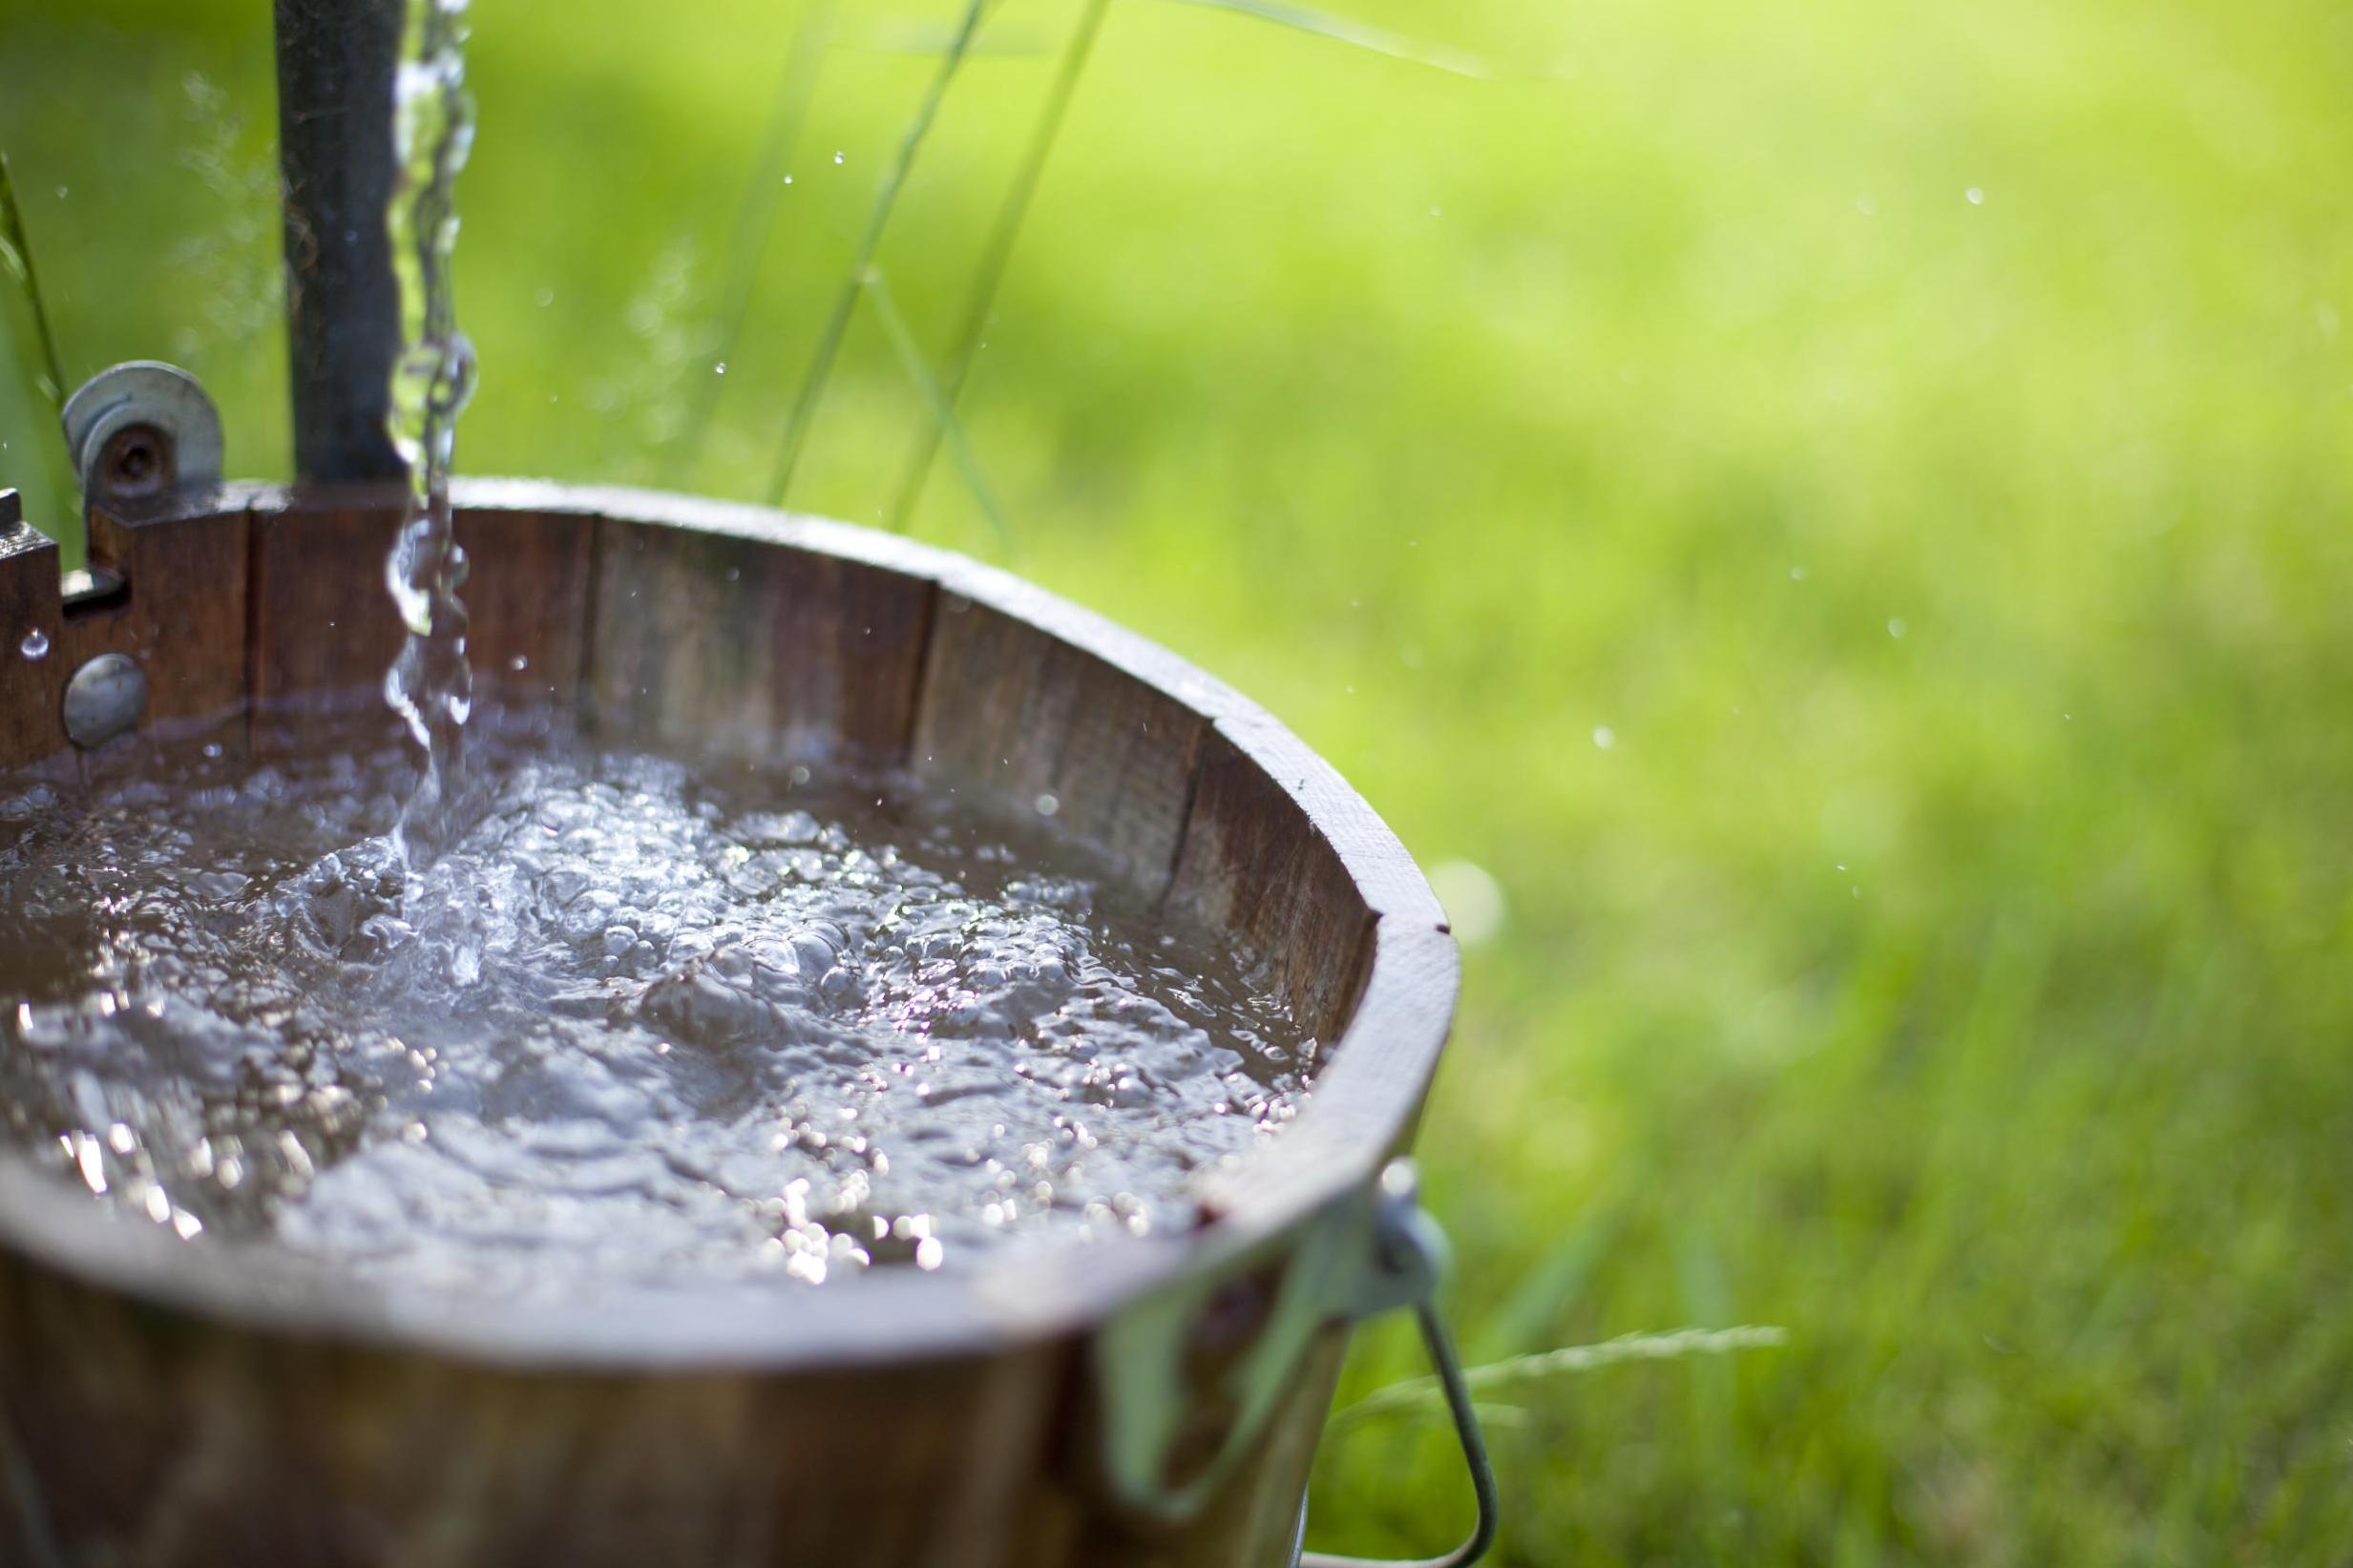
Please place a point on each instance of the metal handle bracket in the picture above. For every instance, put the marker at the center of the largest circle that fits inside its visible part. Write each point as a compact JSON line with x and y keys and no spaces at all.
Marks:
{"x":1415,"y":1252}
{"x":1188,"y":1376}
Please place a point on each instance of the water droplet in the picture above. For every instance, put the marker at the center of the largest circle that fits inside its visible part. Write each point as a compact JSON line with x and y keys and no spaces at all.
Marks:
{"x":35,"y":644}
{"x":1977,"y":198}
{"x":720,"y":369}
{"x":787,"y":179}
{"x":1605,"y":737}
{"x":1048,"y":805}
{"x":61,"y":193}
{"x":518,"y":664}
{"x":1866,"y":205}
{"x":837,"y":158}
{"x":1797,"y":573}
{"x":1896,"y":628}
{"x":545,"y":297}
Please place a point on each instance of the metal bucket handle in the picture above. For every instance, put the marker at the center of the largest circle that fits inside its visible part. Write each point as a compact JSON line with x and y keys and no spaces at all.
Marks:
{"x":1188,"y":1376}
{"x":1411,"y":1239}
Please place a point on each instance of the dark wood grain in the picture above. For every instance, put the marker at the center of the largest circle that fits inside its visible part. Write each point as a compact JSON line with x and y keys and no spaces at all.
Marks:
{"x":747,"y":648}
{"x":183,"y":614}
{"x":167,"y":1442}
{"x":1028,"y":721}
{"x":1256,"y":866}
{"x":322,"y":622}
{"x":527,"y":602}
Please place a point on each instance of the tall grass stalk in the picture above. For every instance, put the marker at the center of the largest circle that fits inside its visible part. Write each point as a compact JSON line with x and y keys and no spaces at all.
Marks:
{"x":755,"y":219}
{"x":990,"y":273}
{"x":16,"y":255}
{"x":811,"y":391}
{"x":1676,"y":1345}
{"x":939,"y":401}
{"x":1340,"y":30}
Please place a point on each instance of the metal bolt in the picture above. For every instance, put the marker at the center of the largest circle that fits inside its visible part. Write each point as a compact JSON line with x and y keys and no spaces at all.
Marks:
{"x":137,"y":461}
{"x":104,"y":698}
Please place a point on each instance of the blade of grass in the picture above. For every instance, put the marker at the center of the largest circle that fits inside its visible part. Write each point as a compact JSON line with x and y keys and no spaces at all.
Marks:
{"x":905,"y":35}
{"x":1676,"y":1345}
{"x":16,"y":255}
{"x":830,"y":339}
{"x":49,"y":489}
{"x":990,"y":273}
{"x":755,"y":220}
{"x":1340,"y":30}
{"x":943,"y":410}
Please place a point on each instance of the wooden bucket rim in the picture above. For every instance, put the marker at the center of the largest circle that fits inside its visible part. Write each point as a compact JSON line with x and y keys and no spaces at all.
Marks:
{"x":1359,"y":1112}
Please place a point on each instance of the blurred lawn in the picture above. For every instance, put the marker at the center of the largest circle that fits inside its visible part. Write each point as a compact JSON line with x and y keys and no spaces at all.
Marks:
{"x":1951,"y":956}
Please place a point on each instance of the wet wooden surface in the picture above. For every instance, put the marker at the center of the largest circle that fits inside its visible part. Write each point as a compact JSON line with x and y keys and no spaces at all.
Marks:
{"x":166,"y":1440}
{"x":181,"y":614}
{"x":323,"y":620}
{"x":1013,"y":713}
{"x":714,"y":642}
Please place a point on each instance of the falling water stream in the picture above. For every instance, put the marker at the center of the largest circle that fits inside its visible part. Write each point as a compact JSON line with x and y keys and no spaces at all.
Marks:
{"x":430,"y":685}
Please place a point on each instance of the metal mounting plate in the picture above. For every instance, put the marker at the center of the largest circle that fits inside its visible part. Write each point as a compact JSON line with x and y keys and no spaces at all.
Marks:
{"x":142,"y":428}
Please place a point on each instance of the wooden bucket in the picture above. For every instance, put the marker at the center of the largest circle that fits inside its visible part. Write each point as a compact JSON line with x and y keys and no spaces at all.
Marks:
{"x":1154,"y":1401}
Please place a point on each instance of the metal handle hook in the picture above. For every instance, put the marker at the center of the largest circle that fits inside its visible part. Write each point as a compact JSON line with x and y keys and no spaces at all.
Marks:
{"x":1189,"y":1375}
{"x":1409,"y":1233}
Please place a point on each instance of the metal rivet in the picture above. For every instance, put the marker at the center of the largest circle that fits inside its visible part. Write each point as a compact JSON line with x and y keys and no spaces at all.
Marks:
{"x":135,"y":462}
{"x":105,"y":698}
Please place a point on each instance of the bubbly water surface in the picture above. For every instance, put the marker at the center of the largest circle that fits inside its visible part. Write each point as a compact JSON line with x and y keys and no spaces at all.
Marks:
{"x":636,"y":1021}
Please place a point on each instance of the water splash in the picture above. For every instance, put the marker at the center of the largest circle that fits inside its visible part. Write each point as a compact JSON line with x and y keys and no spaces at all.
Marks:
{"x":638,"y":1022}
{"x":430,"y":685}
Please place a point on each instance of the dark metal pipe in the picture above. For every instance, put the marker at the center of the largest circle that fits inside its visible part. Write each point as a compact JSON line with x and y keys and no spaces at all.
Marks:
{"x":335,"y":65}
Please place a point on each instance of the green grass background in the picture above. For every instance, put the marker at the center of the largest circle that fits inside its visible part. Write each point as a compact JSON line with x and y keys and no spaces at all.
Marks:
{"x":1975,"y":1002}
